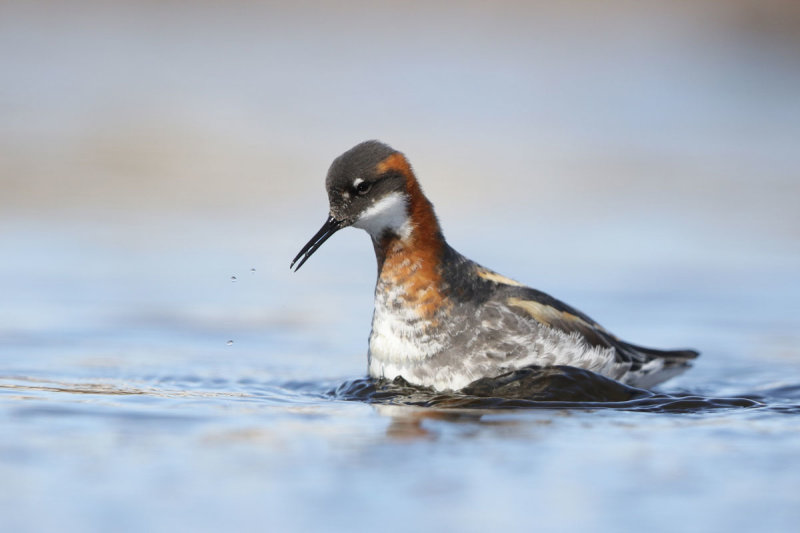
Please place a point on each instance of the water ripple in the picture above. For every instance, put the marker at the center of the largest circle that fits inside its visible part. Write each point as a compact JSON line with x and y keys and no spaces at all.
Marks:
{"x":546,"y":388}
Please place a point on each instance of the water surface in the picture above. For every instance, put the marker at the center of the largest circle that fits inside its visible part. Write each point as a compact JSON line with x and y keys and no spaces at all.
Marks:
{"x":124,"y":406}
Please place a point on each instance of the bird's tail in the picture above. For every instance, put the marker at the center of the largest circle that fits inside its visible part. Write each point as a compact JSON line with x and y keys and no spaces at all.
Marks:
{"x":651,"y":367}
{"x":670,"y":357}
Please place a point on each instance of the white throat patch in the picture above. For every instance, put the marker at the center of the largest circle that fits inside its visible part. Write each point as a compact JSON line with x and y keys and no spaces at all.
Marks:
{"x":390,"y":212}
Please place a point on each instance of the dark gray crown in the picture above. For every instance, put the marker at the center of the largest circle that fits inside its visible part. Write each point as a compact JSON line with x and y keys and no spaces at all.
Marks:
{"x":358,"y":162}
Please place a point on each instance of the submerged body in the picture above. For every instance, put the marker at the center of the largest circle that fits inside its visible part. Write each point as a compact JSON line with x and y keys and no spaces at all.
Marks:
{"x":443,"y":321}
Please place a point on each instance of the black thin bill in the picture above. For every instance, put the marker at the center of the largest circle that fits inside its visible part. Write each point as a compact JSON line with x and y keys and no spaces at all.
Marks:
{"x":330,"y":227}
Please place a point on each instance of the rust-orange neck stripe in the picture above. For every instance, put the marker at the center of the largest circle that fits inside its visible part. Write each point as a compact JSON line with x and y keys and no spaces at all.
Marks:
{"x":413,"y":263}
{"x":426,"y":231}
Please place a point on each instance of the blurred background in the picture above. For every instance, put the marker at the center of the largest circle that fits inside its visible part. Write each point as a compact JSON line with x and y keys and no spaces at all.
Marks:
{"x":161,"y":162}
{"x":616,"y":145}
{"x":608,"y":135}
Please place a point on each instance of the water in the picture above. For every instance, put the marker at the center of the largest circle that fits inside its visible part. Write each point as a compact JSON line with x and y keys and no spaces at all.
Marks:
{"x":124,"y":406}
{"x":161,"y":369}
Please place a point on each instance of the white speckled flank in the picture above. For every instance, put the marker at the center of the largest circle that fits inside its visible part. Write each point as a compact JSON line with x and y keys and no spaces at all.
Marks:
{"x":455,"y":356}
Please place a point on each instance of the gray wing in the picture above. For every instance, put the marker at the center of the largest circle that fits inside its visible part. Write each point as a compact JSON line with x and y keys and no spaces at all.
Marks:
{"x":519,"y":322}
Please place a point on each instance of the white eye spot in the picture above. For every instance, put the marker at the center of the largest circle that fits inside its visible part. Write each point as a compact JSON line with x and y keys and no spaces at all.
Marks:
{"x":361,"y":187}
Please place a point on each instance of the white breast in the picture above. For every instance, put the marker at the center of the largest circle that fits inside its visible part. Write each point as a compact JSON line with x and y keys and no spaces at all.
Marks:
{"x":398,"y":340}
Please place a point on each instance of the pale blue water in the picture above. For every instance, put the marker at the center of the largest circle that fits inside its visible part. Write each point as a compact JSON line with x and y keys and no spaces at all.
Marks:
{"x":124,"y":407}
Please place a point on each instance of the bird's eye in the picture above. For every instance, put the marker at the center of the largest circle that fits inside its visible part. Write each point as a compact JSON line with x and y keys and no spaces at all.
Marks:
{"x":363,"y":187}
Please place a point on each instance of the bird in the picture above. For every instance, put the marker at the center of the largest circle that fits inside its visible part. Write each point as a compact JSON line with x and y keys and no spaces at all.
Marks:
{"x":442,"y":321}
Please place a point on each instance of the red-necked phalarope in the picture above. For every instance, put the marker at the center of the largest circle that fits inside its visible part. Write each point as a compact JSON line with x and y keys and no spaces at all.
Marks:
{"x":443,"y":321}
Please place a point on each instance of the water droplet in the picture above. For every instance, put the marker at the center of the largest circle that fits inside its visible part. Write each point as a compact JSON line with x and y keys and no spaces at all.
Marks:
{"x":229,"y":343}
{"x":233,"y":279}
{"x":252,"y":270}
